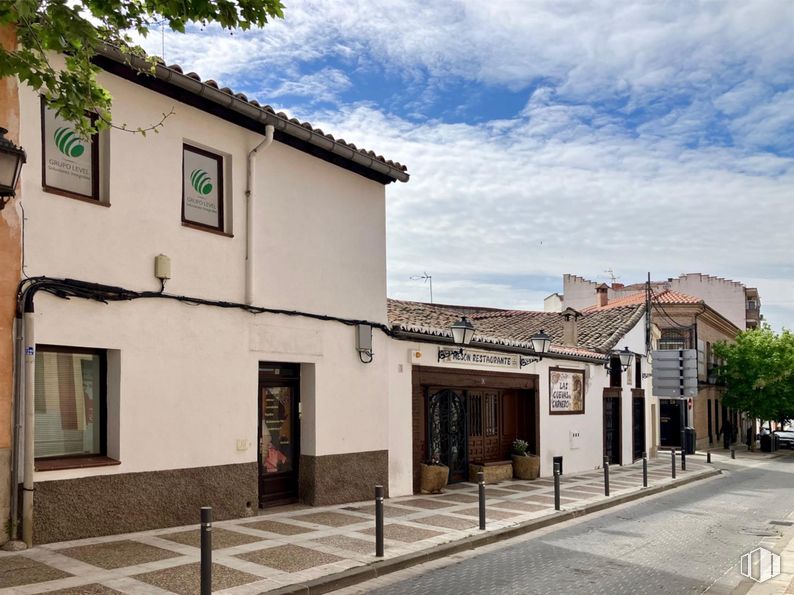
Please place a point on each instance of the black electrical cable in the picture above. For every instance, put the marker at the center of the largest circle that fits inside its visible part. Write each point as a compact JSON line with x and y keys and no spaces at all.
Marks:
{"x":73,"y":288}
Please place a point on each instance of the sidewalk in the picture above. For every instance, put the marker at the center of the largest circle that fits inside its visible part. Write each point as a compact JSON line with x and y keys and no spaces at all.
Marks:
{"x":300,"y":549}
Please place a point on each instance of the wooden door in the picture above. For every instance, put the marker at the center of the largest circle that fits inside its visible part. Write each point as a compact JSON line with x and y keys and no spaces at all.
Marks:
{"x":612,"y":430}
{"x":279,"y":435}
{"x":485,"y":425}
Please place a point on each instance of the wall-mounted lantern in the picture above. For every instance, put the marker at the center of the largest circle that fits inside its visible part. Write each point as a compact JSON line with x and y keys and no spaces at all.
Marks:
{"x":625,"y":356}
{"x":12,"y":158}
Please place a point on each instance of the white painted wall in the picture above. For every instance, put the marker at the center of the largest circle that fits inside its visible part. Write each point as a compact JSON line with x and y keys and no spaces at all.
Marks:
{"x":187,"y":381}
{"x":725,"y":296}
{"x":554,"y":429}
{"x":578,"y":293}
{"x":186,"y":376}
{"x":319,"y":229}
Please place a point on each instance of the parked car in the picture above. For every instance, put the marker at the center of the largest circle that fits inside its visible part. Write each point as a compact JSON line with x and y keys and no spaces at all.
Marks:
{"x":786,"y":438}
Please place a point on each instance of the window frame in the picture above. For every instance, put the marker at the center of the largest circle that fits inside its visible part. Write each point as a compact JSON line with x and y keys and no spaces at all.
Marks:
{"x":221,"y":227}
{"x":94,"y":198}
{"x":103,"y":409}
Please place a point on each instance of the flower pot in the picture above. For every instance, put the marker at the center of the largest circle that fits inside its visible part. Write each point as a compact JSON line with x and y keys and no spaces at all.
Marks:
{"x":434,"y":478}
{"x":526,"y":466}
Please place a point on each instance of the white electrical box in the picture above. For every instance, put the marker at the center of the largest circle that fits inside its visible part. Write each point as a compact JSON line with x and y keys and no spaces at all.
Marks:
{"x":162,"y":267}
{"x":576,"y":439}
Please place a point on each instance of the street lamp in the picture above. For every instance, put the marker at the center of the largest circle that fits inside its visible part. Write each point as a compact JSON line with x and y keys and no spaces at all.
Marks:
{"x":462,"y":334}
{"x":540,"y":345}
{"x":11,"y":160}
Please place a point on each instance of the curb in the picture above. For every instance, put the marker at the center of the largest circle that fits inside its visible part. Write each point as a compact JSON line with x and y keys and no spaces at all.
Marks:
{"x":353,"y":576}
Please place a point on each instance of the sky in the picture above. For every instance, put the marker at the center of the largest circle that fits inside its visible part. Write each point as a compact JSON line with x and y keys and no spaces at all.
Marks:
{"x":546,"y":137}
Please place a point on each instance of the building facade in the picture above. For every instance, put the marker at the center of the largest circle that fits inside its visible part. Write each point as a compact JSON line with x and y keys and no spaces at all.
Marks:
{"x":192,"y":307}
{"x":685,"y":322}
{"x":467,"y":407}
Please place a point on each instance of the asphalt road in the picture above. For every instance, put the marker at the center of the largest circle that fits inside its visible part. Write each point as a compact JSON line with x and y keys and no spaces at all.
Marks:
{"x":681,"y":541}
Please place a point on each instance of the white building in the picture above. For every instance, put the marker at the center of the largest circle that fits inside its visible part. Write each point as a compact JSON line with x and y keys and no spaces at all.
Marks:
{"x":240,"y":386}
{"x":468,"y":407}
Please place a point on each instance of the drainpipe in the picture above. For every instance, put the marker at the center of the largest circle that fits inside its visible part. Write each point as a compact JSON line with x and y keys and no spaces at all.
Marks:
{"x":16,"y":416}
{"x":28,"y":449}
{"x":249,"y":214}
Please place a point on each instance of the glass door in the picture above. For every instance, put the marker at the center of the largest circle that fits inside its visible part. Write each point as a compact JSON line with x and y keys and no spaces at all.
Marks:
{"x":279,"y":427}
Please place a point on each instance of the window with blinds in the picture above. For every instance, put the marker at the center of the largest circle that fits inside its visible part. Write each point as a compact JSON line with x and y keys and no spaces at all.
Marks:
{"x":69,"y":402}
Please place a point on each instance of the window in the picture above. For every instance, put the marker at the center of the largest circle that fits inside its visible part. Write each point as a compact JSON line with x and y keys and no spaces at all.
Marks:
{"x":674,"y":339}
{"x":70,"y":164}
{"x":70,"y":402}
{"x":202,"y":188}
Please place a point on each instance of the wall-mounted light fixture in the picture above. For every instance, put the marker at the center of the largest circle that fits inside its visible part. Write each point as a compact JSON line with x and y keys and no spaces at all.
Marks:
{"x":12,"y":158}
{"x":364,"y":343}
{"x":625,"y":356}
{"x":540,"y":345}
{"x":462,"y":334}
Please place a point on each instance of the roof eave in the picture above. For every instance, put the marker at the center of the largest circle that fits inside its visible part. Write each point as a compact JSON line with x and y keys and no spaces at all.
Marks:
{"x":487,"y":346}
{"x":259,"y":114}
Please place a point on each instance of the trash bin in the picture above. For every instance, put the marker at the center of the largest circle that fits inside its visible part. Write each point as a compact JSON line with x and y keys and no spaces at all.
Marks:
{"x":766,"y":443}
{"x":775,"y":442}
{"x":690,"y":437}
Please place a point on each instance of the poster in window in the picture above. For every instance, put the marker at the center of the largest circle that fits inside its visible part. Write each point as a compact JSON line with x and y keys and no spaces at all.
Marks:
{"x":71,"y":163}
{"x":566,"y":391}
{"x":202,"y":188}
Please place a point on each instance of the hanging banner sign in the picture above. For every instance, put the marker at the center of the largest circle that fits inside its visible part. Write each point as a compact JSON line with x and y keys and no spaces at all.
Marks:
{"x":71,"y":163}
{"x":478,"y":358}
{"x":566,"y":391}
{"x":202,"y":187}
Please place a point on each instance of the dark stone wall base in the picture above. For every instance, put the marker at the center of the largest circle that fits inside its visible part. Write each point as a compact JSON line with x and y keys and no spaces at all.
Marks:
{"x":128,"y":502}
{"x":349,"y":477}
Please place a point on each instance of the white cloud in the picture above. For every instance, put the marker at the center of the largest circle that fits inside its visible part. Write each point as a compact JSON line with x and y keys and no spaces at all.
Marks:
{"x":480,"y":200}
{"x":612,"y":163}
{"x":322,"y":86}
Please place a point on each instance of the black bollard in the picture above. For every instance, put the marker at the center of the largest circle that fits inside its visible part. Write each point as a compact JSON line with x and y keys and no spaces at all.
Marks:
{"x":672,"y":459}
{"x":206,"y":550}
{"x":481,"y":481}
{"x":606,"y":476}
{"x":379,"y":521}
{"x":645,"y":469}
{"x":733,"y":453}
{"x":556,"y":486}
{"x":708,"y":456}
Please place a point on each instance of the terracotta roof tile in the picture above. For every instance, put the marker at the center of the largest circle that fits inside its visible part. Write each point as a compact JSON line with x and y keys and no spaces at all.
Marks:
{"x":113,"y":53}
{"x":598,"y":331}
{"x":665,"y":297}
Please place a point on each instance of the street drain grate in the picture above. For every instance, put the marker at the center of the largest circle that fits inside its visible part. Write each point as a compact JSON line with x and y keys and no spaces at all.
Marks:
{"x":784,"y":523}
{"x":759,"y":532}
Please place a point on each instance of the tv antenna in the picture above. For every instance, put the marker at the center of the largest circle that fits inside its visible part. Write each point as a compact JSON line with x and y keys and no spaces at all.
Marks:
{"x":612,"y":276}
{"x":426,"y":278}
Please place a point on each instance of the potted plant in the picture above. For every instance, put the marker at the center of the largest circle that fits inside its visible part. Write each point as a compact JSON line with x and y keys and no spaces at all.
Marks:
{"x":525,"y":465}
{"x":435,"y":476}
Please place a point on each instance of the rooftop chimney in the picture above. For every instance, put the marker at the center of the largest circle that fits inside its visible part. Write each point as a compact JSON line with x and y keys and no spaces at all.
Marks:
{"x":570,"y":333}
{"x":602,"y":295}
{"x":617,"y":286}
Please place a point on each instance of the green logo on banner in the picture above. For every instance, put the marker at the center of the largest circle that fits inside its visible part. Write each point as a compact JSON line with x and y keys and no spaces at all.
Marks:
{"x":201,"y":181}
{"x":68,"y":142}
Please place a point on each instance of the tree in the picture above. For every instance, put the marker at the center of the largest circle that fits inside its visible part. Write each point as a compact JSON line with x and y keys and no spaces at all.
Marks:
{"x":758,"y":371}
{"x":78,"y":28}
